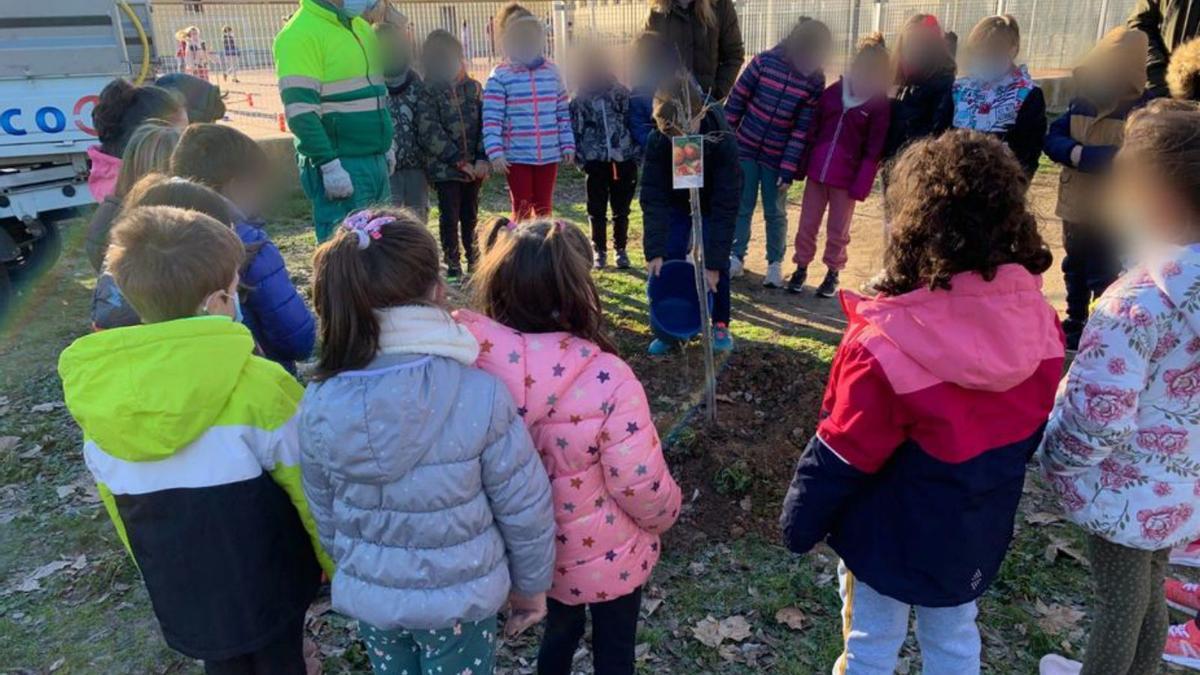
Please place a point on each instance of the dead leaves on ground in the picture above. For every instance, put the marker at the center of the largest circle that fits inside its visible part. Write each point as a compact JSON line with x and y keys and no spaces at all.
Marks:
{"x":710,"y":632}
{"x":31,"y":582}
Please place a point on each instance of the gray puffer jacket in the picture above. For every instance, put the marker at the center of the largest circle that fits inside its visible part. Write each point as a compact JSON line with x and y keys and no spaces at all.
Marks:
{"x":424,"y":484}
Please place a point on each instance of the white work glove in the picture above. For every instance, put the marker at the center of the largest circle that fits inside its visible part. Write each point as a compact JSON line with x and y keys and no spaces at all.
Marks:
{"x":336,"y":180}
{"x":391,"y":159}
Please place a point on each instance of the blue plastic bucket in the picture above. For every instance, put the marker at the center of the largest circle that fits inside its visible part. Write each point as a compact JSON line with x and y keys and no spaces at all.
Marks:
{"x":674,"y":307}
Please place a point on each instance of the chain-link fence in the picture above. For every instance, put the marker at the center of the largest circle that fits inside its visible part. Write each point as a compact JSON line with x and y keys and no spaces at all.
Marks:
{"x":1055,"y":33}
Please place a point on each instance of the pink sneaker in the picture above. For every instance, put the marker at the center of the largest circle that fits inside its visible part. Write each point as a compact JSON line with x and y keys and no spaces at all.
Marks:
{"x":1182,"y":596}
{"x":1183,"y":646}
{"x":1187,"y":555}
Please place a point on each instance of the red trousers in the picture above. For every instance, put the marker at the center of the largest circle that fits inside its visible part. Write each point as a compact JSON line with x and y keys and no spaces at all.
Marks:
{"x":532,"y":189}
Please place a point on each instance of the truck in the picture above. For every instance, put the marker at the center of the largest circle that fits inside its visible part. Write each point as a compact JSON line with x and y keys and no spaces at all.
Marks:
{"x":55,"y":57}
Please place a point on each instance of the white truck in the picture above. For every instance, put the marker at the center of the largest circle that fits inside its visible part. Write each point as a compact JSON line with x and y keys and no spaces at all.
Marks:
{"x":55,"y":57}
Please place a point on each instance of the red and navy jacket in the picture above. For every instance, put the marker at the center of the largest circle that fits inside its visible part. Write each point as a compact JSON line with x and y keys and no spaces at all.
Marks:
{"x":771,"y":111}
{"x":936,"y":402}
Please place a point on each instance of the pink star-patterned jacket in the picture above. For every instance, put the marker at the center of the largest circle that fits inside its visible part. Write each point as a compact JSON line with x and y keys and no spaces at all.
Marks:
{"x":590,"y":420}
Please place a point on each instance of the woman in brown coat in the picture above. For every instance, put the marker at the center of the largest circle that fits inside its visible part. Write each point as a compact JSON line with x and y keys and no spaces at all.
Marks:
{"x":708,"y":38}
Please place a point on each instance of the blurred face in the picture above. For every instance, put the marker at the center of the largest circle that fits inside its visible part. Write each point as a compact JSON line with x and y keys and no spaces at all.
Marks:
{"x":193,"y":34}
{"x":1146,"y":209}
{"x":442,"y":64}
{"x":920,"y":48}
{"x":248,"y":194}
{"x":398,"y":51}
{"x":869,"y":74}
{"x":524,"y":41}
{"x":992,"y":59}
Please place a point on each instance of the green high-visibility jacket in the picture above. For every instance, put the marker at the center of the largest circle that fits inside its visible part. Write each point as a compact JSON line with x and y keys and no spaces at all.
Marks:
{"x":331,"y":80}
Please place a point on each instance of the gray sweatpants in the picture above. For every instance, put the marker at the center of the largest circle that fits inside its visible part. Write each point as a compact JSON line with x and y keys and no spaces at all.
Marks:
{"x":409,"y":189}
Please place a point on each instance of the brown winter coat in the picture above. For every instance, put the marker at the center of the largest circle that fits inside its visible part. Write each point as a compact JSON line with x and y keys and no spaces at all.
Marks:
{"x":713,"y":55}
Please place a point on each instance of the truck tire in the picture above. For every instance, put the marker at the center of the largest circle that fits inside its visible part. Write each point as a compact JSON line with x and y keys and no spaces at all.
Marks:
{"x":37,"y":256}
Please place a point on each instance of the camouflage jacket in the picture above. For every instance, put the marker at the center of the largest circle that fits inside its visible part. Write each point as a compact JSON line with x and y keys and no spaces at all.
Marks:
{"x":450,"y":128}
{"x":601,"y":123}
{"x":403,"y":99}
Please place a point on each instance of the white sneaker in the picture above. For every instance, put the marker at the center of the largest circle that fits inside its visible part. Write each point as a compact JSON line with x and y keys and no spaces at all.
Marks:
{"x":736,"y":267}
{"x":1053,"y":664}
{"x":774,"y":277}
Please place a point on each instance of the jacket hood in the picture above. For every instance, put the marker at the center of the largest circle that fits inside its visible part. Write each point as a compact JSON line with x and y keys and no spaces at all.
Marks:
{"x":1177,"y":274}
{"x":144,"y":392}
{"x":1121,"y":53}
{"x":102,"y":176}
{"x":982,"y":335}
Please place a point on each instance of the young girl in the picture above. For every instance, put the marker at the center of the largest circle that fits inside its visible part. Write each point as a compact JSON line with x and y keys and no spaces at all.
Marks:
{"x":1120,"y":447}
{"x":424,"y":484}
{"x":924,"y":77}
{"x":195,"y":58}
{"x":526,"y":118}
{"x":148,"y":151}
{"x":606,"y":152}
{"x":851,"y":126}
{"x":231,"y":56}
{"x":122,"y":108}
{"x":998,"y":97}
{"x":667,"y":218}
{"x":588,"y":414}
{"x":771,"y":111}
{"x":936,"y":402}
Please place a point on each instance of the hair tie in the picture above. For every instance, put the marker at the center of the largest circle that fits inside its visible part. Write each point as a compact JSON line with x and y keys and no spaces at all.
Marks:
{"x":366,"y":225}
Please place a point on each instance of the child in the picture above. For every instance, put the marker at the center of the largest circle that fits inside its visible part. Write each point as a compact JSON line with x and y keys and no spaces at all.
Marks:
{"x":667,"y":216}
{"x":542,"y":334}
{"x":192,"y":442}
{"x":935,"y":404}
{"x":195,"y":58}
{"x":231,"y":56}
{"x":231,"y":163}
{"x":1119,"y":448}
{"x":423,"y":481}
{"x":924,"y":77}
{"x":771,"y":111}
{"x":998,"y":97}
{"x":606,"y":151}
{"x":1110,"y":84}
{"x":526,"y":118}
{"x":1183,"y":72}
{"x":148,"y":150}
{"x":450,"y":129}
{"x":655,"y":62}
{"x":122,"y":108}
{"x":850,"y":128}
{"x":405,"y":90}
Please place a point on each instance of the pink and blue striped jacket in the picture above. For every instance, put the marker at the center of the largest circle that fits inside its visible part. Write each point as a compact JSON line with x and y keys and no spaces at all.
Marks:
{"x":526,"y":117}
{"x":771,"y":110}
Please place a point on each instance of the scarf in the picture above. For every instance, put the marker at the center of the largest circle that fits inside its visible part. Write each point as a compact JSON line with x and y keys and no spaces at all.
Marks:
{"x":991,"y":107}
{"x":417,"y":329}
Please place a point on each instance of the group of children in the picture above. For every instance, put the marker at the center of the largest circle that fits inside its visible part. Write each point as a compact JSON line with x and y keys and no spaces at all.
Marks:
{"x":192,"y":56}
{"x":442,"y":466}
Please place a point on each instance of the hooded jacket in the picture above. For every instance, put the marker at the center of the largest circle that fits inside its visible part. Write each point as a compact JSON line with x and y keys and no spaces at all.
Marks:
{"x":588,"y":414}
{"x":1122,"y":448}
{"x":600,"y":120}
{"x":921,"y":108}
{"x":192,"y":442}
{"x":1167,"y":24}
{"x":847,"y":141}
{"x":273,"y":310}
{"x":935,"y":403}
{"x":713,"y":55}
{"x":102,"y":173}
{"x":526,"y":115}
{"x":423,"y":482}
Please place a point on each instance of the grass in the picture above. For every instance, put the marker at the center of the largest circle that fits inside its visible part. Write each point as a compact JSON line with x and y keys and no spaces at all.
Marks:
{"x":721,"y":561}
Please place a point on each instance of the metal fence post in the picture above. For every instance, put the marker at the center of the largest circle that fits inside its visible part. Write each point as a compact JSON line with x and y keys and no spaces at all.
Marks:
{"x":877,"y":20}
{"x":1102,"y":22}
{"x":1001,"y":7}
{"x":560,"y":30}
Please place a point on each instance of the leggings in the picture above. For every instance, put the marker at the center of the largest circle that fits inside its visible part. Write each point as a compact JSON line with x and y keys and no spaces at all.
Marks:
{"x":531,"y":187}
{"x":1129,"y":627}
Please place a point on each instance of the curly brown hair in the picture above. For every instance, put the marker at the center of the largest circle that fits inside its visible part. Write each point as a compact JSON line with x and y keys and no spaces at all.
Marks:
{"x":1183,"y":73}
{"x":957,"y":203}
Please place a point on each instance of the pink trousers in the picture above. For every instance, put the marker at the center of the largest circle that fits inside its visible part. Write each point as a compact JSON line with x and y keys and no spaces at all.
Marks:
{"x":817,"y":198}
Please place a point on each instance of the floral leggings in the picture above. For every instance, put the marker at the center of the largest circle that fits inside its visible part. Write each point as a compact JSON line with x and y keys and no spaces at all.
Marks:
{"x":463,"y":649}
{"x":1129,"y":623}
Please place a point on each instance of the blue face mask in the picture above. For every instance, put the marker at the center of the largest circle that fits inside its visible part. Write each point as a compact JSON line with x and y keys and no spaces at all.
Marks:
{"x":357,"y":7}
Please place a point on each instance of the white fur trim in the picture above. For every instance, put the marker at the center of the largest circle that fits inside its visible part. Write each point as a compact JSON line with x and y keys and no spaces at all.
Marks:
{"x":416,"y":329}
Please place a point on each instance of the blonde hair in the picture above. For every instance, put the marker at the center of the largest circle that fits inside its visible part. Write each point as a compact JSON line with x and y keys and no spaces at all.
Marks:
{"x":509,"y":12}
{"x":990,"y":27}
{"x":703,"y":8}
{"x":167,"y":260}
{"x":1183,"y":72}
{"x":148,"y":151}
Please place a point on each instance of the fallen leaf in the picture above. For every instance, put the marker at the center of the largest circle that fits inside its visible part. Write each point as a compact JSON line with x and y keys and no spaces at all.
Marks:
{"x":746,"y":504}
{"x":1055,"y":618}
{"x":31,"y":582}
{"x":31,"y":453}
{"x":730,"y":653}
{"x":791,"y":617}
{"x":708,"y":632}
{"x":9,"y":442}
{"x":651,"y":605}
{"x":50,"y":406}
{"x":735,"y":628}
{"x":1042,"y":518}
{"x":56,"y":665}
{"x":64,"y":491}
{"x":79,"y":563}
{"x":1058,"y":545}
{"x":641,"y":652}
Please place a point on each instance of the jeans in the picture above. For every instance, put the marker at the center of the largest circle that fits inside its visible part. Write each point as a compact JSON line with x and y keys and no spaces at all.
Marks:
{"x":817,"y":198}
{"x":462,"y":648}
{"x":756,"y":178}
{"x":369,"y":177}
{"x":410,"y":190}
{"x":1090,"y":265}
{"x":610,"y":183}
{"x":458,"y":212}
{"x":531,"y":187}
{"x":614,"y":635}
{"x":284,"y":656}
{"x":874,"y":627}
{"x":1130,"y":619}
{"x":679,"y":243}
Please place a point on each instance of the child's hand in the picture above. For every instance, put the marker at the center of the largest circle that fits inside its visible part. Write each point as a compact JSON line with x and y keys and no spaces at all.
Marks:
{"x":469,"y":169}
{"x":654,"y":267}
{"x":569,"y":156}
{"x":524,"y":612}
{"x":1076,"y":155}
{"x":713,"y":277}
{"x":482,"y":169}
{"x":500,"y":166}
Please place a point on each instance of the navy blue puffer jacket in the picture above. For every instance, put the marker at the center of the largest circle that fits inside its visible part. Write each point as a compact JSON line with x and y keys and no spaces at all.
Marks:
{"x":273,"y":310}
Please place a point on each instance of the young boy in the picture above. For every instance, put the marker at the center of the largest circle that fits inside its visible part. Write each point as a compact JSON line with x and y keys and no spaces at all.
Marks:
{"x":231,"y":163}
{"x":191,"y":440}
{"x":1110,"y":82}
{"x":450,"y":129}
{"x":405,"y":90}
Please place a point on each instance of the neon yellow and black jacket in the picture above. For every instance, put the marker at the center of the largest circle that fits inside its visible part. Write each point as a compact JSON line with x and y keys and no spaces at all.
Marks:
{"x":331,"y":81}
{"x":192,"y":441}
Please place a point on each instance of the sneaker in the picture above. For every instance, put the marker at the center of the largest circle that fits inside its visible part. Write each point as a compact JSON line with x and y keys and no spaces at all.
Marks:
{"x":622,"y":259}
{"x":796,"y":283}
{"x":1183,"y":596}
{"x":722,"y":340}
{"x":660,"y":347}
{"x":453,"y":274}
{"x":736,"y":267}
{"x":600,"y":260}
{"x":1187,"y":555}
{"x":1053,"y":664}
{"x":774,"y":278}
{"x":1183,"y":646}
{"x":829,"y":286}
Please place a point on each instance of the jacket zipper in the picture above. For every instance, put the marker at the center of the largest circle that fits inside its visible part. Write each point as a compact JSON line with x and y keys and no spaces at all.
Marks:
{"x":837,"y":132}
{"x":367,"y":64}
{"x":462,"y":122}
{"x":537,"y":135}
{"x":607,"y":136}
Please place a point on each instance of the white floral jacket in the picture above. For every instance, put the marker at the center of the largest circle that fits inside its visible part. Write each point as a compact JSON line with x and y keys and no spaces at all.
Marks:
{"x":1122,"y":448}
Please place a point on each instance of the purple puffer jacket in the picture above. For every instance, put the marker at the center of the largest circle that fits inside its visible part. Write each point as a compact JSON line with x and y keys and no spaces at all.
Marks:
{"x":848,"y":142}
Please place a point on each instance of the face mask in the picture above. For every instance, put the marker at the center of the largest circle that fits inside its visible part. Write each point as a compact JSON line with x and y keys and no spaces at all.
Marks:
{"x":237,"y":309}
{"x":357,"y":7}
{"x":989,"y":70}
